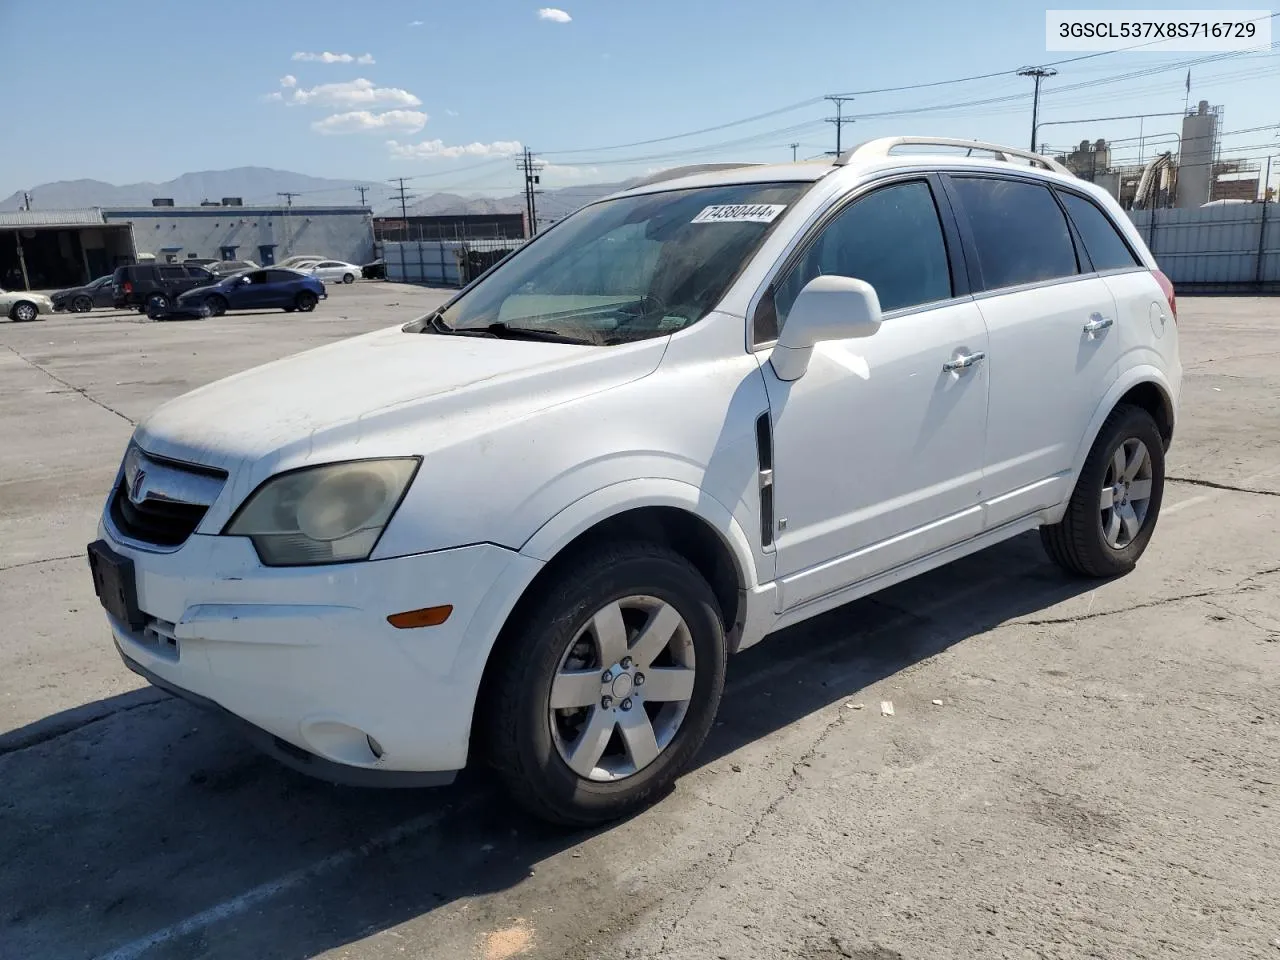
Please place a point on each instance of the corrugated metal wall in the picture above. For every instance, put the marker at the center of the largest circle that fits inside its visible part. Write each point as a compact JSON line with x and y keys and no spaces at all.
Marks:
{"x":440,"y":262}
{"x":1230,"y":248}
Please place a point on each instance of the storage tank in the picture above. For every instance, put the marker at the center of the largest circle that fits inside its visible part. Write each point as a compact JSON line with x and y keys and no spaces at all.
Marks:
{"x":1199,"y":147}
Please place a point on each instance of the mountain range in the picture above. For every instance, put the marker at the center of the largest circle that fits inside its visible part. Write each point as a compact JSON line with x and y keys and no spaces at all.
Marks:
{"x":264,"y":185}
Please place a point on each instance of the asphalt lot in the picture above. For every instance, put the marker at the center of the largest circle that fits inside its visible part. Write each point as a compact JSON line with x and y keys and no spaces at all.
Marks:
{"x":1100,"y":779}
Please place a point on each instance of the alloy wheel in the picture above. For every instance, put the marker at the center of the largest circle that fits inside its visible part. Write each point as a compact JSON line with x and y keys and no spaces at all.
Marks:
{"x":1126,"y":493}
{"x":622,"y":689}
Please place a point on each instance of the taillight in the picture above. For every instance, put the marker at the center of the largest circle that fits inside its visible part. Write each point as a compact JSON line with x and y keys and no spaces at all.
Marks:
{"x":1167,"y":286}
{"x":128,"y":287}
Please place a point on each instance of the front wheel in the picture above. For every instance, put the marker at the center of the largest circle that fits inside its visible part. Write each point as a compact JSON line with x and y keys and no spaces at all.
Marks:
{"x":217,"y":305}
{"x":348,"y":278}
{"x":81,"y":305}
{"x":306,"y":301}
{"x":604,"y":690}
{"x":24,"y":311}
{"x":1116,"y":502}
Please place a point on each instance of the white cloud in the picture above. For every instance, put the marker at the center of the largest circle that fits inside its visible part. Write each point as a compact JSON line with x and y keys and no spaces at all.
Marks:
{"x":288,"y":81}
{"x":452,"y":113}
{"x":554,"y":15}
{"x":354,"y":93}
{"x":556,"y":171}
{"x":431,"y":149}
{"x":273,"y":97}
{"x":328,"y":57}
{"x":415,"y":23}
{"x":365,"y":121}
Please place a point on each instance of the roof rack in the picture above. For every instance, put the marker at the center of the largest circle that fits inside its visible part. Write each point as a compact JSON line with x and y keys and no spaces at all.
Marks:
{"x":885,"y":145}
{"x":688,"y":171}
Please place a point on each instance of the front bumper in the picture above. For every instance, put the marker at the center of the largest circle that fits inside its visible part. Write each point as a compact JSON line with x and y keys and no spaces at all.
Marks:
{"x":305,"y":656}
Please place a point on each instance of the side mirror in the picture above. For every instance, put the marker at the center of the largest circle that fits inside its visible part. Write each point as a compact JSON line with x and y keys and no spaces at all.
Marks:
{"x":828,"y":308}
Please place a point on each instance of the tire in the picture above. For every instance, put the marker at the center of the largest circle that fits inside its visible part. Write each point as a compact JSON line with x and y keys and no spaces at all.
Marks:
{"x":348,"y":278}
{"x":306,"y":301}
{"x":81,"y":305}
{"x":217,"y":304}
{"x":24,"y":311}
{"x":157,"y":303}
{"x":528,"y":743}
{"x":1093,"y":540}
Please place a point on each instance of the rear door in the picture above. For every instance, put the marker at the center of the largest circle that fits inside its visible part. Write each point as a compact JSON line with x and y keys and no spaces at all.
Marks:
{"x":1054,"y":349}
{"x":280,"y":288}
{"x":174,"y":280}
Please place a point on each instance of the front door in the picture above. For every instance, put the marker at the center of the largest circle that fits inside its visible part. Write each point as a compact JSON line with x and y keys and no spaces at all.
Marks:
{"x":878,"y":446}
{"x":1054,"y":341}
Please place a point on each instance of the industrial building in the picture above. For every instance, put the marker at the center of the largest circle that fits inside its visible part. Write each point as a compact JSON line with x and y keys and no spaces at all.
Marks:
{"x":44,"y":249}
{"x":1186,"y":178}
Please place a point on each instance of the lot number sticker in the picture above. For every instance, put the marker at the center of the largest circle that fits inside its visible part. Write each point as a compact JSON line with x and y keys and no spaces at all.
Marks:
{"x":740,"y":213}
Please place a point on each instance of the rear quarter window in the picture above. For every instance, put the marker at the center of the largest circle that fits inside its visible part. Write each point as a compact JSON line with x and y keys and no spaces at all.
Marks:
{"x":1019,"y":232}
{"x":1102,"y":241}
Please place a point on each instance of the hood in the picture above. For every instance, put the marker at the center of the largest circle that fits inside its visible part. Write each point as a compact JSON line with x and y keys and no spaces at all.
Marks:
{"x":387,"y":393}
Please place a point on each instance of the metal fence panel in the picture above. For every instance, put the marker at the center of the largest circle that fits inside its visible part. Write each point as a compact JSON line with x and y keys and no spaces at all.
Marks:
{"x":1231,"y":248}
{"x":441,"y":263}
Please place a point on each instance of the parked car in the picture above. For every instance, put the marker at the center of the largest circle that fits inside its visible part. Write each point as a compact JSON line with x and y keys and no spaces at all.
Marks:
{"x":377,"y":270}
{"x":334,"y":271}
{"x":528,"y":528}
{"x":153,"y":287}
{"x":273,"y":287}
{"x":24,"y":306}
{"x":82,"y":299}
{"x":202,"y":261}
{"x":225,"y":268}
{"x":298,"y":259}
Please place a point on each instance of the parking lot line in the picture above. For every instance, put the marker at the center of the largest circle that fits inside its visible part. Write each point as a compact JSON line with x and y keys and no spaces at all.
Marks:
{"x":265,"y":891}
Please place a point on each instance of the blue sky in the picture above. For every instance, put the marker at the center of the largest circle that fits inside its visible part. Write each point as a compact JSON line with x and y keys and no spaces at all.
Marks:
{"x":124,"y":91}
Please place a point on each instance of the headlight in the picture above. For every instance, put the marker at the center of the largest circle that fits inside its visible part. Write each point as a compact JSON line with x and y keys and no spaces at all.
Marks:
{"x":326,"y":514}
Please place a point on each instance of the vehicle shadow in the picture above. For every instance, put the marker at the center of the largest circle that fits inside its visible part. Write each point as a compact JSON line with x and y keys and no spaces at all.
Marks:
{"x":154,"y":831}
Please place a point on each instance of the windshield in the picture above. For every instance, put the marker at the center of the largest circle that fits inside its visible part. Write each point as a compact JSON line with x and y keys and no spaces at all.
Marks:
{"x":626,"y":269}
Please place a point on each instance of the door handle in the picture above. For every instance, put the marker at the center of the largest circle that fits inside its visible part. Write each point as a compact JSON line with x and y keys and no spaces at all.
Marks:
{"x":1097,"y":322}
{"x":960,"y":363}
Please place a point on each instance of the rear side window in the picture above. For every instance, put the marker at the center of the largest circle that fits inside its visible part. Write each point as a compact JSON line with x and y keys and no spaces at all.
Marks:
{"x":281,"y":276}
{"x":1102,"y":241}
{"x":1018,"y":229}
{"x":173,"y":273}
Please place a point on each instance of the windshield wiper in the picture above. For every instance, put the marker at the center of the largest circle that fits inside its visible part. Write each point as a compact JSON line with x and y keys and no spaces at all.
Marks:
{"x":502,"y":330}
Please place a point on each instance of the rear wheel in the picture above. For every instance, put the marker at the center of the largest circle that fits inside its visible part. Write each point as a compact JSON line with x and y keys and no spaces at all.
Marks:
{"x":157,"y":303}
{"x":604,"y":690}
{"x":217,"y":304}
{"x":1116,"y":502}
{"x":348,"y":278}
{"x":305,"y":301}
{"x":24,"y":311}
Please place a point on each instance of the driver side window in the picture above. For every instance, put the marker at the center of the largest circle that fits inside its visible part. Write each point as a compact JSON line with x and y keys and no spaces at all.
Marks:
{"x":891,"y":238}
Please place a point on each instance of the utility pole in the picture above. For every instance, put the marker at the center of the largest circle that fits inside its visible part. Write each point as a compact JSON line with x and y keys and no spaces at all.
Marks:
{"x":288,"y":197}
{"x":404,"y":199}
{"x":26,"y":197}
{"x":531,"y":169}
{"x":362,"y":191}
{"x":839,"y":119}
{"x":1039,"y":73}
{"x":794,"y":147}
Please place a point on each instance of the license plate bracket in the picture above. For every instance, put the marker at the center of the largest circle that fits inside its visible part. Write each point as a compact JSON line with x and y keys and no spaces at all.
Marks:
{"x":115,"y":584}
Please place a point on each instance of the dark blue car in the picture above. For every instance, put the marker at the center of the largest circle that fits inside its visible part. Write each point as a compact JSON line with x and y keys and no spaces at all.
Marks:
{"x":265,"y":289}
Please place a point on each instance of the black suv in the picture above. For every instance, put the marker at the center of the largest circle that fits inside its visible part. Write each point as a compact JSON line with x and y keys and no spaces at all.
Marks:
{"x":156,"y":286}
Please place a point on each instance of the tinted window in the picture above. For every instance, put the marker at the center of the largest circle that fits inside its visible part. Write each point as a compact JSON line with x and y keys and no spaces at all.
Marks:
{"x":1102,"y":241}
{"x":890,"y":238}
{"x":1019,"y":230}
{"x":173,"y":273}
{"x":281,"y":276}
{"x":199,"y":273}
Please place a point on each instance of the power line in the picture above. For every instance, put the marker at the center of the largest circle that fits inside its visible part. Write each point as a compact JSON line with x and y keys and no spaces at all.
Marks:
{"x":1038,"y":74}
{"x":532,"y":177}
{"x":288,"y":197}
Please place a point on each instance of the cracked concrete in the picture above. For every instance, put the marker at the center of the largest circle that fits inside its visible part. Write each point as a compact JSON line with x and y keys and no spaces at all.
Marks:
{"x":1099,"y":780}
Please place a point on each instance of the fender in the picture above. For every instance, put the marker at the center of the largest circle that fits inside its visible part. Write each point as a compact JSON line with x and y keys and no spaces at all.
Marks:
{"x":1140,"y":373}
{"x":578,"y":517}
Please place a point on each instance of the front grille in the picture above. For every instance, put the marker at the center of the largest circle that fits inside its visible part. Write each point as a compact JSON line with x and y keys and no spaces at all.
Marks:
{"x":171,"y":498}
{"x":165,"y":523}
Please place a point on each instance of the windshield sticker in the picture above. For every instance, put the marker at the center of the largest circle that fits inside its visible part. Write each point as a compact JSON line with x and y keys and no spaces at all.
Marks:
{"x":740,"y":213}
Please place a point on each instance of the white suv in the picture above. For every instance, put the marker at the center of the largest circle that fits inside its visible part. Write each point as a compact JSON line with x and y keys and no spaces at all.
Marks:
{"x":530,"y":527}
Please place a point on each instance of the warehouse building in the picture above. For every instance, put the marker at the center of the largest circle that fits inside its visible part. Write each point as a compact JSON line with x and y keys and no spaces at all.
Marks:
{"x":46,"y":249}
{"x":43,"y":249}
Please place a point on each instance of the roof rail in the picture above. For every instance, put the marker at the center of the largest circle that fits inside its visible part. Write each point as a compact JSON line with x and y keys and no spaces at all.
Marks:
{"x":883,"y":146}
{"x":688,"y":171}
